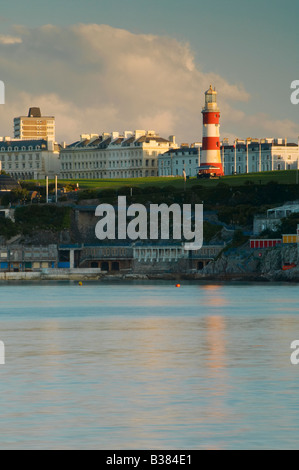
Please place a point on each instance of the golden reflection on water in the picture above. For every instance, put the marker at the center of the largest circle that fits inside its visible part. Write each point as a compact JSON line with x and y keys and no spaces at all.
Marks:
{"x":213,"y":296}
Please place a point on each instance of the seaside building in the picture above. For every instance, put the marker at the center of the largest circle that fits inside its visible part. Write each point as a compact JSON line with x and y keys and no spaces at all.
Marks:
{"x":130,"y":155}
{"x":175,"y":161}
{"x":18,"y":258}
{"x":29,"y":159}
{"x":34,"y":126}
{"x":137,"y":258}
{"x":256,"y":155}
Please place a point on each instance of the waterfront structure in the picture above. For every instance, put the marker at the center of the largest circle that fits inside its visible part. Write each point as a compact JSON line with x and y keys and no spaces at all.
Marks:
{"x":210,"y":159}
{"x":29,"y":159}
{"x":289,"y":239}
{"x":107,"y":258}
{"x":130,"y":155}
{"x":124,"y":258}
{"x":155,"y":258}
{"x":175,"y":161}
{"x":256,"y":155}
{"x":265,"y":243}
{"x":34,"y":126}
{"x":18,"y":258}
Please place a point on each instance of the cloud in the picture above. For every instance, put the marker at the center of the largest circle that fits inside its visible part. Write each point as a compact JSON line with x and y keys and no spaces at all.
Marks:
{"x":95,"y":78}
{"x":4,"y":39}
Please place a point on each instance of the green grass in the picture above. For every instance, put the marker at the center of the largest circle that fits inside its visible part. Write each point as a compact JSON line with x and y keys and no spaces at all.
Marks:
{"x":283,"y":177}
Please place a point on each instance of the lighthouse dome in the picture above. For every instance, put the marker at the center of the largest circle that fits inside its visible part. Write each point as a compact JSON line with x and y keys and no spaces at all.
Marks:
{"x":210,"y":91}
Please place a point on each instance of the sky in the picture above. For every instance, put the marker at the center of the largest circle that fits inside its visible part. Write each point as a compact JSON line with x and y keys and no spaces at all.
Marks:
{"x":115,"y":65}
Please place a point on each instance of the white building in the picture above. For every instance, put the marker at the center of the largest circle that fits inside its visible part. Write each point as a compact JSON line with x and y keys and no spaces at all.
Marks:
{"x":29,"y":159}
{"x":131,"y":155}
{"x":254,"y":155}
{"x":175,"y":161}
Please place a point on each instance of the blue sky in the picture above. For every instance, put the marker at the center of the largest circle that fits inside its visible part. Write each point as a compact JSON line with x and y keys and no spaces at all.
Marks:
{"x":249,"y":45}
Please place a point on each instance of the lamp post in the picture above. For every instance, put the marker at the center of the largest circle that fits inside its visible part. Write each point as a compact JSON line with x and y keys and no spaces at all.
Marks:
{"x":56,"y":192}
{"x":47,"y":189}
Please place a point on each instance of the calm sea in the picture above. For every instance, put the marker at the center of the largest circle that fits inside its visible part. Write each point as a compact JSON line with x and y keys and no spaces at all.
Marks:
{"x":149,"y":366}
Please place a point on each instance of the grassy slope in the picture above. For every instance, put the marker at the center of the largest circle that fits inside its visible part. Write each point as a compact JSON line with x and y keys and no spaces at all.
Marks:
{"x":283,"y":177}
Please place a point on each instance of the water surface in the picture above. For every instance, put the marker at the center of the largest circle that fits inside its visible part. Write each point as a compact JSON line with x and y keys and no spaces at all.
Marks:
{"x":148,"y":366}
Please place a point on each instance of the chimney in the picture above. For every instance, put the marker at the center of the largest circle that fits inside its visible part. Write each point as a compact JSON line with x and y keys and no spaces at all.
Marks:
{"x":172,"y":140}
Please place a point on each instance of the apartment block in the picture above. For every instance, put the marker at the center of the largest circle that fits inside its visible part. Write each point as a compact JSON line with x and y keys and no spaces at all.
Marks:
{"x":114,"y":155}
{"x":175,"y":161}
{"x":254,"y":156}
{"x":29,"y":159}
{"x":34,"y":126}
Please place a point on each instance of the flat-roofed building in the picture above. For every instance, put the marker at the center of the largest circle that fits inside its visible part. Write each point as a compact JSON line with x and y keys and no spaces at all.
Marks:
{"x":114,"y":155}
{"x":18,"y":258}
{"x":34,"y":126}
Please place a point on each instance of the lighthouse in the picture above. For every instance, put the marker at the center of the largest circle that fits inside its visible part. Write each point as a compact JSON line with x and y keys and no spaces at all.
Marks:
{"x":210,"y":160}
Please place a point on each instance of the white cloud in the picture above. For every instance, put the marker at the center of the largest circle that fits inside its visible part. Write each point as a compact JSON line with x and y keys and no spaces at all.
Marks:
{"x":96,"y":78}
{"x":4,"y":39}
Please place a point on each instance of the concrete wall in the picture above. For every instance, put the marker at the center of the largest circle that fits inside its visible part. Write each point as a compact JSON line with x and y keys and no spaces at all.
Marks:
{"x":53,"y":274}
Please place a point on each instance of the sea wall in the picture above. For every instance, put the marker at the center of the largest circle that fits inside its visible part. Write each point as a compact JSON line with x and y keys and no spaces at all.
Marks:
{"x":53,"y":274}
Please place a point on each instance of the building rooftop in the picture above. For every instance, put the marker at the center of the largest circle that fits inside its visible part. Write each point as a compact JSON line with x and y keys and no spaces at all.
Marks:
{"x":106,"y":140}
{"x":34,"y":112}
{"x":182,"y":151}
{"x":25,"y":145}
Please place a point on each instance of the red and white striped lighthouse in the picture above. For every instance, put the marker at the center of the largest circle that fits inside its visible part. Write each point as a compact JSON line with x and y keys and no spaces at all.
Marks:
{"x":210,"y":159}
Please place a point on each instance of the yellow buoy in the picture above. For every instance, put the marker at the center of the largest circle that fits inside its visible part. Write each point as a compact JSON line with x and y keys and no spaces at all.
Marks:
{"x":80,"y":283}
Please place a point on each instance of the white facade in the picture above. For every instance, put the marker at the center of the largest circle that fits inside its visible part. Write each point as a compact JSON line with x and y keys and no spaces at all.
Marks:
{"x":253,"y":156}
{"x":131,"y":155}
{"x":29,"y":159}
{"x":159,"y":253}
{"x":175,"y":161}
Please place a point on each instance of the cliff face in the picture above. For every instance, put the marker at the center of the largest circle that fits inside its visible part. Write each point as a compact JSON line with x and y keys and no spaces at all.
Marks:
{"x":276,"y":258}
{"x":264,"y":264}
